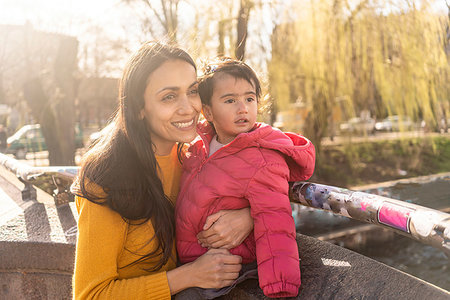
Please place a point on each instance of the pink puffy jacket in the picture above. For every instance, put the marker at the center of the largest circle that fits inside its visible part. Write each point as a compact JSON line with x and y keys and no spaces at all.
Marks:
{"x":253,"y":170}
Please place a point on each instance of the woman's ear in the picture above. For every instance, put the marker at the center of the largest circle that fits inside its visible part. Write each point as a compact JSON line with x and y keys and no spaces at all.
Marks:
{"x":207,"y":113}
{"x":141,"y":115}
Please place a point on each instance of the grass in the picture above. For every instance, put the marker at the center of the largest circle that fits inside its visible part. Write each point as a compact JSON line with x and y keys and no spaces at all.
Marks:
{"x":371,"y":162}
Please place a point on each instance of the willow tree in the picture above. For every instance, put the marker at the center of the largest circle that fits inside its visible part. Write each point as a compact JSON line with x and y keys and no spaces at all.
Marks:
{"x":341,"y":60}
{"x":412,"y":70}
{"x":310,"y":64}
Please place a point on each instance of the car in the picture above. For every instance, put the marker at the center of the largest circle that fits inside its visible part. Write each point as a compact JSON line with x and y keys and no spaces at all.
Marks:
{"x":394,"y":123}
{"x":358,"y":125}
{"x":29,"y":138}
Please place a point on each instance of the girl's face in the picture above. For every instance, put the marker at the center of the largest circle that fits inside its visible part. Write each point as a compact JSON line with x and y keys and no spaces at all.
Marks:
{"x":172,"y":105}
{"x":233,"y":108}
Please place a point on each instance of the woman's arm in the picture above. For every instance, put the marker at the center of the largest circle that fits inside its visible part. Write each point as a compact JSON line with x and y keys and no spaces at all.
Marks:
{"x":226,"y":229}
{"x":215,"y":269}
{"x":101,"y":237}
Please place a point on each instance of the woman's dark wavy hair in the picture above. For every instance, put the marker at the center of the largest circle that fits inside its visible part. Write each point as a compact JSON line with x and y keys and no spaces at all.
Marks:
{"x":123,"y":162}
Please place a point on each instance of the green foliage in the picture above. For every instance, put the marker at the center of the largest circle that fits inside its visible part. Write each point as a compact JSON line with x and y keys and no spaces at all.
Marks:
{"x":370,"y":162}
{"x":341,"y":61}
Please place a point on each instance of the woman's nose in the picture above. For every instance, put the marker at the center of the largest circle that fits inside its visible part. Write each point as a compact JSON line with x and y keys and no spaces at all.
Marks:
{"x":186,"y":106}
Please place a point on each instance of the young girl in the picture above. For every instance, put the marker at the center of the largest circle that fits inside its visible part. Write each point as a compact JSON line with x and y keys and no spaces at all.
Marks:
{"x":235,"y":163}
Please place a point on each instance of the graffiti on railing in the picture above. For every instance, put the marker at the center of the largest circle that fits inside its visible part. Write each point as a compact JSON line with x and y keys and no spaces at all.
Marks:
{"x":424,"y":224}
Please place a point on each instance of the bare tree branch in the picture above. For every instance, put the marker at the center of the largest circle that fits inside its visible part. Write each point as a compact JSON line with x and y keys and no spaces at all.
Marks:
{"x":155,"y":12}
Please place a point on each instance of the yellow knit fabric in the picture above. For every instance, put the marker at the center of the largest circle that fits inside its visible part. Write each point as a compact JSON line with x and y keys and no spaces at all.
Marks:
{"x":106,"y":244}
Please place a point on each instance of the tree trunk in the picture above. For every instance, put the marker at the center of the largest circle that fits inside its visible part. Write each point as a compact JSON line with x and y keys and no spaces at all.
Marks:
{"x":56,"y":114}
{"x":170,"y":11}
{"x":221,"y":34}
{"x":242,"y":26}
{"x":65,"y":67}
{"x":42,"y":111}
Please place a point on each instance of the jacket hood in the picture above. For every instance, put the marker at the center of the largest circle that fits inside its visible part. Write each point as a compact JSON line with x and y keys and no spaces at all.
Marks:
{"x":298,"y":150}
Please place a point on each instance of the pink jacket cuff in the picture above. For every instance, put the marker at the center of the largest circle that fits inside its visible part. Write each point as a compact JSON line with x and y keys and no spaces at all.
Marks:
{"x":281,"y":289}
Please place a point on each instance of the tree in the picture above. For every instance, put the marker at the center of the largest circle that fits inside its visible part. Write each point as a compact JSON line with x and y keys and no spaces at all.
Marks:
{"x":242,"y":27}
{"x":343,"y":58}
{"x":51,"y":96}
{"x":165,"y":15}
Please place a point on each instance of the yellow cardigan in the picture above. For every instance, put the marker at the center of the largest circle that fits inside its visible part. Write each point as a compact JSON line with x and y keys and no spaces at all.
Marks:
{"x":106,"y":244}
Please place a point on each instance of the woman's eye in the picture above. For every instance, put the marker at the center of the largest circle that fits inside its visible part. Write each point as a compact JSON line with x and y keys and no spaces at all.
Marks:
{"x":229,"y":101}
{"x":193,"y":92}
{"x":250,"y":99}
{"x":168,"y":97}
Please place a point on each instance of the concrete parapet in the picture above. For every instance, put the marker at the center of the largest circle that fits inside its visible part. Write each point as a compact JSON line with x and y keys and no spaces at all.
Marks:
{"x":34,"y":270}
{"x":37,"y":244}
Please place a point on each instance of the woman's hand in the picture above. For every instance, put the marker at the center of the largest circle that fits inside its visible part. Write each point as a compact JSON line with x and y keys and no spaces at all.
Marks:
{"x":226,"y":229}
{"x":216,"y":268}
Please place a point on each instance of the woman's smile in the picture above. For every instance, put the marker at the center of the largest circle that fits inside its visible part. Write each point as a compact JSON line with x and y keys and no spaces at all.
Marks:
{"x":184,"y":124}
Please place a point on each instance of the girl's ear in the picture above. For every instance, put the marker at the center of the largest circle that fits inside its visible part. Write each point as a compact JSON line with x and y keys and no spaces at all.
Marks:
{"x":207,"y":113}
{"x":141,"y":115}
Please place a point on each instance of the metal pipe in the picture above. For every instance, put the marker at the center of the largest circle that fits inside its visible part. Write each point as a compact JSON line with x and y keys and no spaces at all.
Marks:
{"x":426,"y":225}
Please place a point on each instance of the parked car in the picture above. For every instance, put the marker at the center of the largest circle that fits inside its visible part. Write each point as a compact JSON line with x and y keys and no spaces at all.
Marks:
{"x":358,"y":125}
{"x":29,"y":138}
{"x":394,"y":123}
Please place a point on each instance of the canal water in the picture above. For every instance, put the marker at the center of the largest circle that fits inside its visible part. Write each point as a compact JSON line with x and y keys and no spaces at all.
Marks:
{"x":403,"y":253}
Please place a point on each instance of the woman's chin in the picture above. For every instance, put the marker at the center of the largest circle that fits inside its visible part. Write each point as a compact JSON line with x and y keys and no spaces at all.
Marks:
{"x":187,"y":137}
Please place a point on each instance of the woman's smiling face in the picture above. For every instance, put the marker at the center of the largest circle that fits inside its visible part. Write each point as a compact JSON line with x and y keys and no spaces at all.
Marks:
{"x":172,"y":105}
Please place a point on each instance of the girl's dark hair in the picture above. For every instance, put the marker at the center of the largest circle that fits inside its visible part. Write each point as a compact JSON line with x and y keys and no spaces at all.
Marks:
{"x":225,"y":65}
{"x":123,"y":162}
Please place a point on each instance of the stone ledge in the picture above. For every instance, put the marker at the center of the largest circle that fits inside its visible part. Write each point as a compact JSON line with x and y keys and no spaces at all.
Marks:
{"x":328,"y":272}
{"x":37,"y":257}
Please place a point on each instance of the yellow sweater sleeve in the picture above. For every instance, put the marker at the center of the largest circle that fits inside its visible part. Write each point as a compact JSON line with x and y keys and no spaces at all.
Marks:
{"x":101,"y":237}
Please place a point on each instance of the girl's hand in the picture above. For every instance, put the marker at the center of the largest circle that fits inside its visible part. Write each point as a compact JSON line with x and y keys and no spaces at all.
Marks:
{"x":216,"y":268}
{"x":226,"y":229}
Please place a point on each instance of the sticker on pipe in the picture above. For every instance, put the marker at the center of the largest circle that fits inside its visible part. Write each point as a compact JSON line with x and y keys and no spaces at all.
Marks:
{"x":395,"y":216}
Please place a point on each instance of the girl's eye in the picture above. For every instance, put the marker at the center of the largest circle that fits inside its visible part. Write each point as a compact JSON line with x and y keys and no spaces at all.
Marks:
{"x":168,"y":97}
{"x":229,"y":101}
{"x":250,"y":99}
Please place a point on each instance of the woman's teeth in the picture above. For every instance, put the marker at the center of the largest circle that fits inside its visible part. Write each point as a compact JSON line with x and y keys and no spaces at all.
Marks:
{"x":183,"y":125}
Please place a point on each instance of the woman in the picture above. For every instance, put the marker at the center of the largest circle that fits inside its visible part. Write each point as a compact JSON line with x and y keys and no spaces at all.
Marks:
{"x":129,"y":181}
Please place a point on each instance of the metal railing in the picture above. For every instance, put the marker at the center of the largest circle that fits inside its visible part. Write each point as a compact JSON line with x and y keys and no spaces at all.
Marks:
{"x":426,"y":225}
{"x":423,"y":224}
